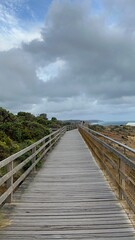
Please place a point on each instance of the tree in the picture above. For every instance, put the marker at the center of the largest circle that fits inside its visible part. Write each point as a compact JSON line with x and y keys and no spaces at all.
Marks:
{"x":19,"y":131}
{"x":26,"y":116}
{"x":13,"y":130}
{"x":7,"y":146}
{"x":43,"y":115}
{"x":6,"y":116}
{"x":33,"y":130}
{"x":54,"y":119}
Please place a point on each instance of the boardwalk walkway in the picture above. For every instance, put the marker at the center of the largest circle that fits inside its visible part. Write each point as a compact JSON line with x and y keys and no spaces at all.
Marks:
{"x":68,"y":199}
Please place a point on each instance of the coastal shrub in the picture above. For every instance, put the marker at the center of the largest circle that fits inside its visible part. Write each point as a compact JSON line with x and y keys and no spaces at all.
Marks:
{"x":21,"y":130}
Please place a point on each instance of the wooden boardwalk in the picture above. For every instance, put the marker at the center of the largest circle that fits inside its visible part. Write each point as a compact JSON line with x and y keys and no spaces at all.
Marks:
{"x":68,"y":199}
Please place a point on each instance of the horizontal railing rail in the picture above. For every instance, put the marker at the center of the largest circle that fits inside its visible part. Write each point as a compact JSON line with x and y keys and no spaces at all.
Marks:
{"x":120,"y":168}
{"x":112,"y":140}
{"x":18,"y":166}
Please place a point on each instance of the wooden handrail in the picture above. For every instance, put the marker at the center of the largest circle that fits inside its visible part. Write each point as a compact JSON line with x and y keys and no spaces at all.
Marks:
{"x":36,"y":153}
{"x":120,"y":168}
{"x":110,"y":139}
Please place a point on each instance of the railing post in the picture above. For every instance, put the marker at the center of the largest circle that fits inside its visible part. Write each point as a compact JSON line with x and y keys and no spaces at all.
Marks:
{"x":103,"y":158}
{"x":50,"y":139}
{"x":44,"y":147}
{"x":120,"y":180}
{"x":61,"y":132}
{"x":34,"y":158}
{"x":9,"y":182}
{"x":124,"y":172}
{"x":64,"y":130}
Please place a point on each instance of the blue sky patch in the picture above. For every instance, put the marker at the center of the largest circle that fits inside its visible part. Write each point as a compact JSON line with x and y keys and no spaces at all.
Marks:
{"x":97,"y":6}
{"x":35,"y":10}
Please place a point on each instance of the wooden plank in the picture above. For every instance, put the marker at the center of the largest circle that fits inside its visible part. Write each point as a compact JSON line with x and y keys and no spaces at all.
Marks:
{"x":68,"y":199}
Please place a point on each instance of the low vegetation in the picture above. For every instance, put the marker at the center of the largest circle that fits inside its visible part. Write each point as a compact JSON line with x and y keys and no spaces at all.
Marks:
{"x":19,"y":131}
{"x":123,"y":133}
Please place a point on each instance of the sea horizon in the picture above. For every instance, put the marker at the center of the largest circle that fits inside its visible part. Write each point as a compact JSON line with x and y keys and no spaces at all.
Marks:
{"x":114,"y":123}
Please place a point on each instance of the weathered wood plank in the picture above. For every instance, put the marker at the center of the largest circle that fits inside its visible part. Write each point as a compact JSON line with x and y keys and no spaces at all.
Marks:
{"x":68,"y":199}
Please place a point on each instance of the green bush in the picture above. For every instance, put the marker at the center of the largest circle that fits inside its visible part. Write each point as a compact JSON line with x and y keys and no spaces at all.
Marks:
{"x":21,"y":130}
{"x":7,"y":146}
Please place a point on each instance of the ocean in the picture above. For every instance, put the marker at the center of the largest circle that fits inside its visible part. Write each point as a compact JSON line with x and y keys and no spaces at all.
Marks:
{"x":115,"y":123}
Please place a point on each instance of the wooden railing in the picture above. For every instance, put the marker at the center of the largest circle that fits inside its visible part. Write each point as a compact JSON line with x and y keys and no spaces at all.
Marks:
{"x":71,"y":127}
{"x":18,"y":166}
{"x":119,"y":167}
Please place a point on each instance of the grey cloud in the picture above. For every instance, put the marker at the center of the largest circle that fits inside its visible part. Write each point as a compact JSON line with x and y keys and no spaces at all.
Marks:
{"x":122,"y":11}
{"x":100,"y":62}
{"x":18,"y":79}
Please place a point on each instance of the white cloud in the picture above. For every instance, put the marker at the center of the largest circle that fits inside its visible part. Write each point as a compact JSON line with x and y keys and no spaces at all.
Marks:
{"x":12,"y":31}
{"x":51,"y":71}
{"x":14,"y":37}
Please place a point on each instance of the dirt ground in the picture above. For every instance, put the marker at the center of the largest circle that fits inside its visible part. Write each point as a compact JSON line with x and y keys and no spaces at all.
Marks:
{"x":122,"y":134}
{"x":131,"y":141}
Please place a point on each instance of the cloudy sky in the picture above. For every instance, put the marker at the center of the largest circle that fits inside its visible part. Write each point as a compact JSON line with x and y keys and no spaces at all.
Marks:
{"x":70,"y":59}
